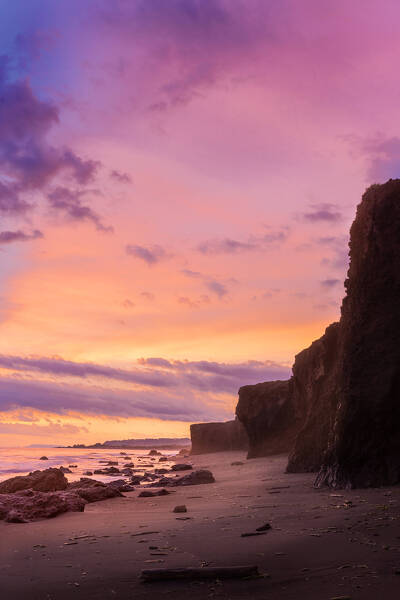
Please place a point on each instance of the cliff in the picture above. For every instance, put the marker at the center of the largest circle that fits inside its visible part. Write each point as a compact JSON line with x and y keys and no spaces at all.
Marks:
{"x":341,"y":408}
{"x":266,"y":413}
{"x":217,"y":437}
{"x":363,"y":448}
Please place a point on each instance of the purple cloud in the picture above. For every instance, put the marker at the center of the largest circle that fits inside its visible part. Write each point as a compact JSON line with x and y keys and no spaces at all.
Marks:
{"x":121,"y":177}
{"x":330,"y":283}
{"x":27,"y":160}
{"x":323,"y":212}
{"x":183,"y":390}
{"x":216,"y":287}
{"x":231,"y":246}
{"x":8,"y":237}
{"x":150,"y":255}
{"x":383,"y":155}
{"x":69,"y":202}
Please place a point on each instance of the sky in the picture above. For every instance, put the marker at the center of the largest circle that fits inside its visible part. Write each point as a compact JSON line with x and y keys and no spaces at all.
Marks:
{"x":177,"y":182}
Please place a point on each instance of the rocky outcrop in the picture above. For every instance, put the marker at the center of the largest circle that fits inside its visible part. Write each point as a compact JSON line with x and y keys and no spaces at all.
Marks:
{"x":49,"y":480}
{"x":265,"y":411}
{"x":313,"y":400}
{"x":218,"y":437}
{"x":27,"y":505}
{"x":364,"y":443}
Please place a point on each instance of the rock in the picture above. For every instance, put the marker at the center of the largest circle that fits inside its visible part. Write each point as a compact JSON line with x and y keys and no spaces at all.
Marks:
{"x":181,"y":467}
{"x":106,"y":471}
{"x":162,"y":459}
{"x":154,"y":453}
{"x":151,"y":494}
{"x":127,"y":458}
{"x":129,"y":465}
{"x":73,"y":466}
{"x":25,"y":506}
{"x":93,"y":491}
{"x":265,"y":527}
{"x":49,"y":480}
{"x":265,"y":410}
{"x":184,"y":452}
{"x":236,"y":463}
{"x":43,"y":458}
{"x":161,"y":471}
{"x":111,"y":463}
{"x":121,"y":485}
{"x":218,"y":437}
{"x":194,"y":478}
{"x":88,"y":473}
{"x":122,"y":453}
{"x":136,"y":479}
{"x":181,"y":508}
{"x":65,"y":470}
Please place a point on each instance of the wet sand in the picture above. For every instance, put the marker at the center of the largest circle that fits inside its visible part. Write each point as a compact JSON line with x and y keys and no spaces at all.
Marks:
{"x":323,"y":544}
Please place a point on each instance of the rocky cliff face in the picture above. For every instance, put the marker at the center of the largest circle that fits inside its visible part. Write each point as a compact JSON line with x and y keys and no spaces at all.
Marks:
{"x":266,"y":413}
{"x":341,"y":408}
{"x":217,"y":437}
{"x":364,"y":443}
{"x":313,"y":398}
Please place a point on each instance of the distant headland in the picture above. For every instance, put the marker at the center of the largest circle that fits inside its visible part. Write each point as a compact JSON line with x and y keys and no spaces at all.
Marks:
{"x":147,"y":443}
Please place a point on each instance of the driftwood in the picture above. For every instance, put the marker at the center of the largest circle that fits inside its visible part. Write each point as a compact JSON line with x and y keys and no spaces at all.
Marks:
{"x":195,"y":573}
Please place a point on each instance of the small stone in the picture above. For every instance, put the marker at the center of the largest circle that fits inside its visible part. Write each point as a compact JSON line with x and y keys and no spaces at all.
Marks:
{"x":181,"y":508}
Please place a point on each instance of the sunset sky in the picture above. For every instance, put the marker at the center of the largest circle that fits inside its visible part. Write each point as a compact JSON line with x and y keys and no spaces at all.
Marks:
{"x":177,"y":181}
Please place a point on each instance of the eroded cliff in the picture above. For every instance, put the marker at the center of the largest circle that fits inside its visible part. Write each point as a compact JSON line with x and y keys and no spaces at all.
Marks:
{"x":218,"y":437}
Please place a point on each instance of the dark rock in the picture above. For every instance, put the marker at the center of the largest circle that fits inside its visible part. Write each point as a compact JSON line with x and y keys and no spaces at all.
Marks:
{"x":129,"y":465}
{"x":161,"y":471}
{"x":162,"y":459}
{"x":181,"y":467}
{"x":25,"y":506}
{"x":65,"y":470}
{"x":121,"y":485}
{"x":154,"y":453}
{"x":111,"y":463}
{"x":149,"y":494}
{"x":88,"y":473}
{"x":49,"y":480}
{"x":136,"y":479}
{"x":43,"y":458}
{"x":218,"y":437}
{"x":92,"y":490}
{"x":107,"y":471}
{"x":194,"y":478}
{"x":181,"y":508}
{"x":265,"y":410}
{"x":236,"y":463}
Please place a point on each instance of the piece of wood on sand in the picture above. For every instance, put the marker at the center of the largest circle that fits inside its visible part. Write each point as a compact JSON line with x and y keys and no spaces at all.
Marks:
{"x":195,"y":573}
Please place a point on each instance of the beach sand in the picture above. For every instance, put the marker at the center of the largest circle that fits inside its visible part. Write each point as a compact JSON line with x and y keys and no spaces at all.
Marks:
{"x":320,"y":546}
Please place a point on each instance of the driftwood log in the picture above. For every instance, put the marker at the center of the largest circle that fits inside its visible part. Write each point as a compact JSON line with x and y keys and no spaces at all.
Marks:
{"x":194,"y":573}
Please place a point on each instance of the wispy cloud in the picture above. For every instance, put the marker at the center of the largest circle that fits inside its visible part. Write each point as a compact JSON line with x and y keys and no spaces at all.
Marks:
{"x":8,"y":237}
{"x":323,"y":212}
{"x":149,"y":254}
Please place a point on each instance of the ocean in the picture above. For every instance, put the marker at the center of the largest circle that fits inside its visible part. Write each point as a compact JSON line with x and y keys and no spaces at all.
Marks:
{"x":21,"y":461}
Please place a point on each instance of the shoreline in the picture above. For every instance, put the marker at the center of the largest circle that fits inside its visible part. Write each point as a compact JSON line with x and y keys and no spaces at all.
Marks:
{"x":323,"y":544}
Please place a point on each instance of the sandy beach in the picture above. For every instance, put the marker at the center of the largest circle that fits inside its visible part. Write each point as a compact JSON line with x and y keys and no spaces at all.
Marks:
{"x":322,"y":544}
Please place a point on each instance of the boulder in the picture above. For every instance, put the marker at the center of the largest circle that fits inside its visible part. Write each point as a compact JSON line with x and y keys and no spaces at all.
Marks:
{"x":121,"y":485}
{"x":49,"y":480}
{"x":93,"y":491}
{"x":162,"y":459}
{"x":152,"y":494}
{"x":194,"y":478}
{"x":181,"y":467}
{"x":265,"y":410}
{"x":25,"y":506}
{"x":43,"y":458}
{"x":154,"y":453}
{"x":65,"y":470}
{"x":181,"y":508}
{"x":217,"y":437}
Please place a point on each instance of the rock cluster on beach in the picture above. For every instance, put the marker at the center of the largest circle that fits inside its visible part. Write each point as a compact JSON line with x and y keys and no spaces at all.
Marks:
{"x":339,"y":414}
{"x":218,"y":437}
